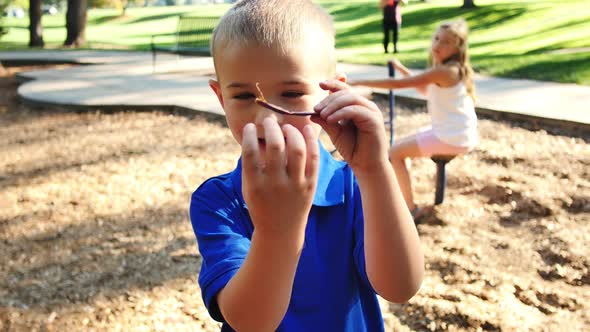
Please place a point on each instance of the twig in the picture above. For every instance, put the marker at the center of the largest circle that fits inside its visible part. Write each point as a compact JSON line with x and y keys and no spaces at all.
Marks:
{"x":260,"y":100}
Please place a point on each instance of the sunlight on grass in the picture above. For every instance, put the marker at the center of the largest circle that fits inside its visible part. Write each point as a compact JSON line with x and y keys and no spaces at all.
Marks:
{"x":508,"y":38}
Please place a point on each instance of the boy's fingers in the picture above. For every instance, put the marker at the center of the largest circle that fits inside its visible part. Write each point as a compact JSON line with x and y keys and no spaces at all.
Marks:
{"x":334,"y":85}
{"x":341,"y":100}
{"x":296,"y":152}
{"x":250,"y":151}
{"x":332,"y":129}
{"x":358,"y":117}
{"x":312,"y":160}
{"x":275,"y":146}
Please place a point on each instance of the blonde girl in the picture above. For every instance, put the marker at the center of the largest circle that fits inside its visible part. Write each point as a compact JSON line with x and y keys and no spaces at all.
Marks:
{"x":450,"y":93}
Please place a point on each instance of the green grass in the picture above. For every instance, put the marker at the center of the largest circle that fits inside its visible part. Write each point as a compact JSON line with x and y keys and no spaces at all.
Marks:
{"x":519,"y":39}
{"x":106,"y":29}
{"x":544,"y":40}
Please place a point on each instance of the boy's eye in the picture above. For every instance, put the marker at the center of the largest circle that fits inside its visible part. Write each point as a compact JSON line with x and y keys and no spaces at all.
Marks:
{"x":244,"y":96}
{"x":292,"y":94}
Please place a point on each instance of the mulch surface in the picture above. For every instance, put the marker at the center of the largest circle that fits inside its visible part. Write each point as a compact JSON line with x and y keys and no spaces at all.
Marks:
{"x":95,"y":235}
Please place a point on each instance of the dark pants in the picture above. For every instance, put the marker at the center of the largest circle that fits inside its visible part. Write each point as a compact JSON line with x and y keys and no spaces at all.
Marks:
{"x":390,"y":26}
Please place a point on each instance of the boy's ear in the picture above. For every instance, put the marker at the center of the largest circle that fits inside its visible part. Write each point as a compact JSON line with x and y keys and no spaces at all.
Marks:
{"x":341,"y":77}
{"x":217,"y":89}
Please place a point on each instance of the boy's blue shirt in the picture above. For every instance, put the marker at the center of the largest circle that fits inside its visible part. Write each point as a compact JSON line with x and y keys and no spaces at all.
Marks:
{"x":331,"y":291}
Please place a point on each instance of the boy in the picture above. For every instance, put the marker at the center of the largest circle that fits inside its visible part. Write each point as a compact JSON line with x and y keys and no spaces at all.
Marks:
{"x":286,"y":243}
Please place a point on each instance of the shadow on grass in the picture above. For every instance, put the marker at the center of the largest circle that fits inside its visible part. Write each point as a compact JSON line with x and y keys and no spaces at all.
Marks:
{"x":156,"y":17}
{"x":562,"y":44}
{"x":345,"y":13}
{"x":103,"y":19}
{"x":536,"y":32}
{"x":12,"y":46}
{"x":493,"y":15}
{"x":421,"y":24}
{"x":572,"y":67}
{"x":131,"y":20}
{"x":545,"y":70}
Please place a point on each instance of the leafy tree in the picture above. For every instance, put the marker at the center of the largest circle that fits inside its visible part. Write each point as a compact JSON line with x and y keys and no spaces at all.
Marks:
{"x":76,"y":23}
{"x":35,"y":28}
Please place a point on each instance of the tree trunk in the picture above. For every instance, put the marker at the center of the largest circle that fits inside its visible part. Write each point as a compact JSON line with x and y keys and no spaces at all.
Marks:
{"x":76,"y":23}
{"x":35,"y":28}
{"x":467,"y":4}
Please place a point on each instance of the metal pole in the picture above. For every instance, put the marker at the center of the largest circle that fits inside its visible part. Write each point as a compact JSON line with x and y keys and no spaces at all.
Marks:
{"x":391,"y":71}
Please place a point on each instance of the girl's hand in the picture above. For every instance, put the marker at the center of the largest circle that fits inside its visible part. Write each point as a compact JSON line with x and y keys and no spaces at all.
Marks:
{"x":396,"y":64}
{"x":279,"y":177}
{"x":355,"y":126}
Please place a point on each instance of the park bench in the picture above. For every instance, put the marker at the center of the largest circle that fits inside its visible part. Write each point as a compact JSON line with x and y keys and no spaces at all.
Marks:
{"x":192,"y":37}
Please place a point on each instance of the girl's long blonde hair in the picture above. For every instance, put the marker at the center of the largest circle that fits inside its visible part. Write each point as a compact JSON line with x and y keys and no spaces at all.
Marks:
{"x":460,"y":59}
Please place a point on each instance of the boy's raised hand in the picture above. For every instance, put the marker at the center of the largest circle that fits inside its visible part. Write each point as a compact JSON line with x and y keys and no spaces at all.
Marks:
{"x":279,"y":181}
{"x":355,"y":126}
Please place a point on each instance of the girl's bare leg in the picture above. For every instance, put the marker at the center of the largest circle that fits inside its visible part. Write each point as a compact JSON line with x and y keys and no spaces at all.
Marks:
{"x":406,"y":147}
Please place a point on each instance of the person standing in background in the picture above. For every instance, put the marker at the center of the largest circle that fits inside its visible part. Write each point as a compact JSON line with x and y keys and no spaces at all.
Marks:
{"x":392,"y":20}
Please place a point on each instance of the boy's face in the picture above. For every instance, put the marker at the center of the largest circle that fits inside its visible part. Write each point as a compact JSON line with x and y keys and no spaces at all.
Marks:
{"x":288,"y":80}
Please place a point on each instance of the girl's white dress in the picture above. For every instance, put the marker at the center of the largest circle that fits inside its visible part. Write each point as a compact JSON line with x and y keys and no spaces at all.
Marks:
{"x":453,"y":115}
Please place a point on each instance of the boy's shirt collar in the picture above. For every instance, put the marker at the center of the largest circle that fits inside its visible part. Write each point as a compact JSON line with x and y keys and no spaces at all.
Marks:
{"x":330,"y":186}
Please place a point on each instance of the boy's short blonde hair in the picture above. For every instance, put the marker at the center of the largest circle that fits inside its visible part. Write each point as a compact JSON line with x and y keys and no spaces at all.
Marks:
{"x":279,"y":24}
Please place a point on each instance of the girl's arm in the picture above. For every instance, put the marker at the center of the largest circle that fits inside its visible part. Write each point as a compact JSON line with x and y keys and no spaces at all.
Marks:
{"x":407,"y":73}
{"x":442,"y":75}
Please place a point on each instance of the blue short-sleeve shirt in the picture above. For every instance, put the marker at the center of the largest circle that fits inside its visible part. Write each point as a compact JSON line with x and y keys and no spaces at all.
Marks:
{"x":331,"y":291}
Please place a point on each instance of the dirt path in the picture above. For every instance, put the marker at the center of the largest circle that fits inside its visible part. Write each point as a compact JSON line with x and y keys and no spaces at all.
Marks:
{"x":94,"y":232}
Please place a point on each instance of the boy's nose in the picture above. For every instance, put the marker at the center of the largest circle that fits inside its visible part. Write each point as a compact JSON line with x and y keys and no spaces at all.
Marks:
{"x":263,"y":113}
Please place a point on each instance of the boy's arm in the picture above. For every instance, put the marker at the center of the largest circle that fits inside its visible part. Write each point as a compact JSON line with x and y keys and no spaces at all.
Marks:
{"x":393,"y":256}
{"x":278,"y":186}
{"x":394,"y":260}
{"x":258,"y":295}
